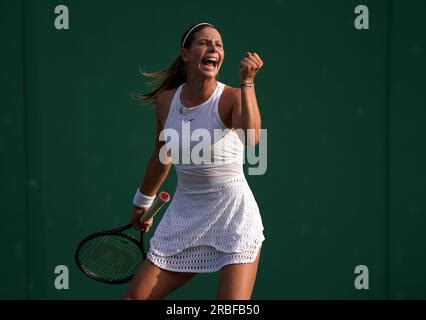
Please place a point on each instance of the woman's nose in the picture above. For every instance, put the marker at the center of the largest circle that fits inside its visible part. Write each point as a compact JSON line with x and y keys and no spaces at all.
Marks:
{"x":212,"y":47}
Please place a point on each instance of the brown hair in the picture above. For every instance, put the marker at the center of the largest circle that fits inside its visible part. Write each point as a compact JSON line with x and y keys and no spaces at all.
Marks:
{"x":175,"y":74}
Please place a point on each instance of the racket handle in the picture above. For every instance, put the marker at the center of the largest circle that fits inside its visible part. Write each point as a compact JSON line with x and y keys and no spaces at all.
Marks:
{"x":158,"y":203}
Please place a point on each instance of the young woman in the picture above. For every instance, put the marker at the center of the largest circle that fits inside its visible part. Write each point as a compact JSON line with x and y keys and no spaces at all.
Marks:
{"x":213,"y":222}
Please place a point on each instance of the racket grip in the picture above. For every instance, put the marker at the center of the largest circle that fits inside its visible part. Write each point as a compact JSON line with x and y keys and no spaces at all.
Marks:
{"x":158,"y":203}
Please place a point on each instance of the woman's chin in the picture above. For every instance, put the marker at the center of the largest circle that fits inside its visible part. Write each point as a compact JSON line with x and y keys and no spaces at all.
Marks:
{"x":209,"y":73}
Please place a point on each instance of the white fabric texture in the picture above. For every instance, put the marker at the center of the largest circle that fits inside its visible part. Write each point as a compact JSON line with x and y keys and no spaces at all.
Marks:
{"x":213,"y":219}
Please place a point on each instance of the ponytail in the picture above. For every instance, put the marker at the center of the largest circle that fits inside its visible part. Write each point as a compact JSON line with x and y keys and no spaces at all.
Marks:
{"x":174,"y":75}
{"x":168,"y":78}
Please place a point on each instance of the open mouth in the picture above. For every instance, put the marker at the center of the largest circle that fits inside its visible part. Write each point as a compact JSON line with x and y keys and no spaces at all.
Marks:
{"x":209,"y":62}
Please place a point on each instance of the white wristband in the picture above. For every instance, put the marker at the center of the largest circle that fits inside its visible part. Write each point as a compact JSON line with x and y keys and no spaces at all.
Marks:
{"x":141,"y":200}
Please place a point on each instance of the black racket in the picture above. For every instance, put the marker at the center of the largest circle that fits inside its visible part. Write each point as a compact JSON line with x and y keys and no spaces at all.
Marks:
{"x":113,"y":256}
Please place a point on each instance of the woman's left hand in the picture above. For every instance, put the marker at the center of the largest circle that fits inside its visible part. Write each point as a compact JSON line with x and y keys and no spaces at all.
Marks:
{"x":250,"y":66}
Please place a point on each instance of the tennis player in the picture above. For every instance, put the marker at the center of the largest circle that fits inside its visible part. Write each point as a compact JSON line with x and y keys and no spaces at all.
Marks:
{"x":213,"y":222}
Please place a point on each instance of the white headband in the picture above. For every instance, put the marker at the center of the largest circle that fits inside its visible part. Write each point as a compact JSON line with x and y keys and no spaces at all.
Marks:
{"x":192,"y":29}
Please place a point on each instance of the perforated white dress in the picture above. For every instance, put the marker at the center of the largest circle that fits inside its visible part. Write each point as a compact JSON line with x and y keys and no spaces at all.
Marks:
{"x":213,"y":219}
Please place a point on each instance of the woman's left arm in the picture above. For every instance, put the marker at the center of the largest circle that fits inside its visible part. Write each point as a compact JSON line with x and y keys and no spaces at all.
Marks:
{"x":245,"y":113}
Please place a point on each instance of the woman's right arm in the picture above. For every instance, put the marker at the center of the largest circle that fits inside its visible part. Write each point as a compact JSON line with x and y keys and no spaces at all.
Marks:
{"x":156,"y":172}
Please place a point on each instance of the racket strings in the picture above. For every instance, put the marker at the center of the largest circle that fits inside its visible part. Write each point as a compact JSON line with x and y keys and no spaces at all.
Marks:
{"x":110,"y":257}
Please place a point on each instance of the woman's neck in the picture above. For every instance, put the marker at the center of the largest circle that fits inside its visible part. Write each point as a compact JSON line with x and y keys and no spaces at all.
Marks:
{"x":197,"y":91}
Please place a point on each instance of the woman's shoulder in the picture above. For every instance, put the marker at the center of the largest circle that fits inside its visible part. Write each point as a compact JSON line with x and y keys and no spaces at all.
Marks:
{"x":163,"y":102}
{"x":231,"y":95}
{"x":165,"y":97}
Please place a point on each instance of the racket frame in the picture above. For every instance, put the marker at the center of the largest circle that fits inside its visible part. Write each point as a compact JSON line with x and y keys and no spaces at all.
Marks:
{"x":158,"y":203}
{"x":115,"y":232}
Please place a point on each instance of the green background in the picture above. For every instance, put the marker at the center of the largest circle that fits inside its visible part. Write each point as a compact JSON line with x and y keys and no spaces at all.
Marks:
{"x":345,"y":111}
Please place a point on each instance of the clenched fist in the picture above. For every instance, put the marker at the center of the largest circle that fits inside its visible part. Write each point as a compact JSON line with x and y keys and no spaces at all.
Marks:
{"x":250,"y":66}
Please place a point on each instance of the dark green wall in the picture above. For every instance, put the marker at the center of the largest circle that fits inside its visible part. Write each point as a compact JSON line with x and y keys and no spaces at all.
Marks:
{"x":407,"y":133}
{"x":344,"y":111}
{"x":13,"y":154}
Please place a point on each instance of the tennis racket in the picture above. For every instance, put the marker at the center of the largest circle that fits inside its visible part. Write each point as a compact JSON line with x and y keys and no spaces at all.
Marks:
{"x":112,"y":256}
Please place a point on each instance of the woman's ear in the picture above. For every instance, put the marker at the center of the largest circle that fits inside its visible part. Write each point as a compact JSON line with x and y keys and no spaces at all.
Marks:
{"x":184,"y":55}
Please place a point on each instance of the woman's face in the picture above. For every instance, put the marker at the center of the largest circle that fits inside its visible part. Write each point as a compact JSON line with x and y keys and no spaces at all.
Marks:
{"x":205,"y":55}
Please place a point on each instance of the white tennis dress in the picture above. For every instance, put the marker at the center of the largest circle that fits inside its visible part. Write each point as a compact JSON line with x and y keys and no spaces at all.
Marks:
{"x":213,"y":219}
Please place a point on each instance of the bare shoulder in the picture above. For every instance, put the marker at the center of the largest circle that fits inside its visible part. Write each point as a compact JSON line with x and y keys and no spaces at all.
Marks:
{"x":230,"y":98}
{"x":162,"y":104}
{"x":231,"y":95}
